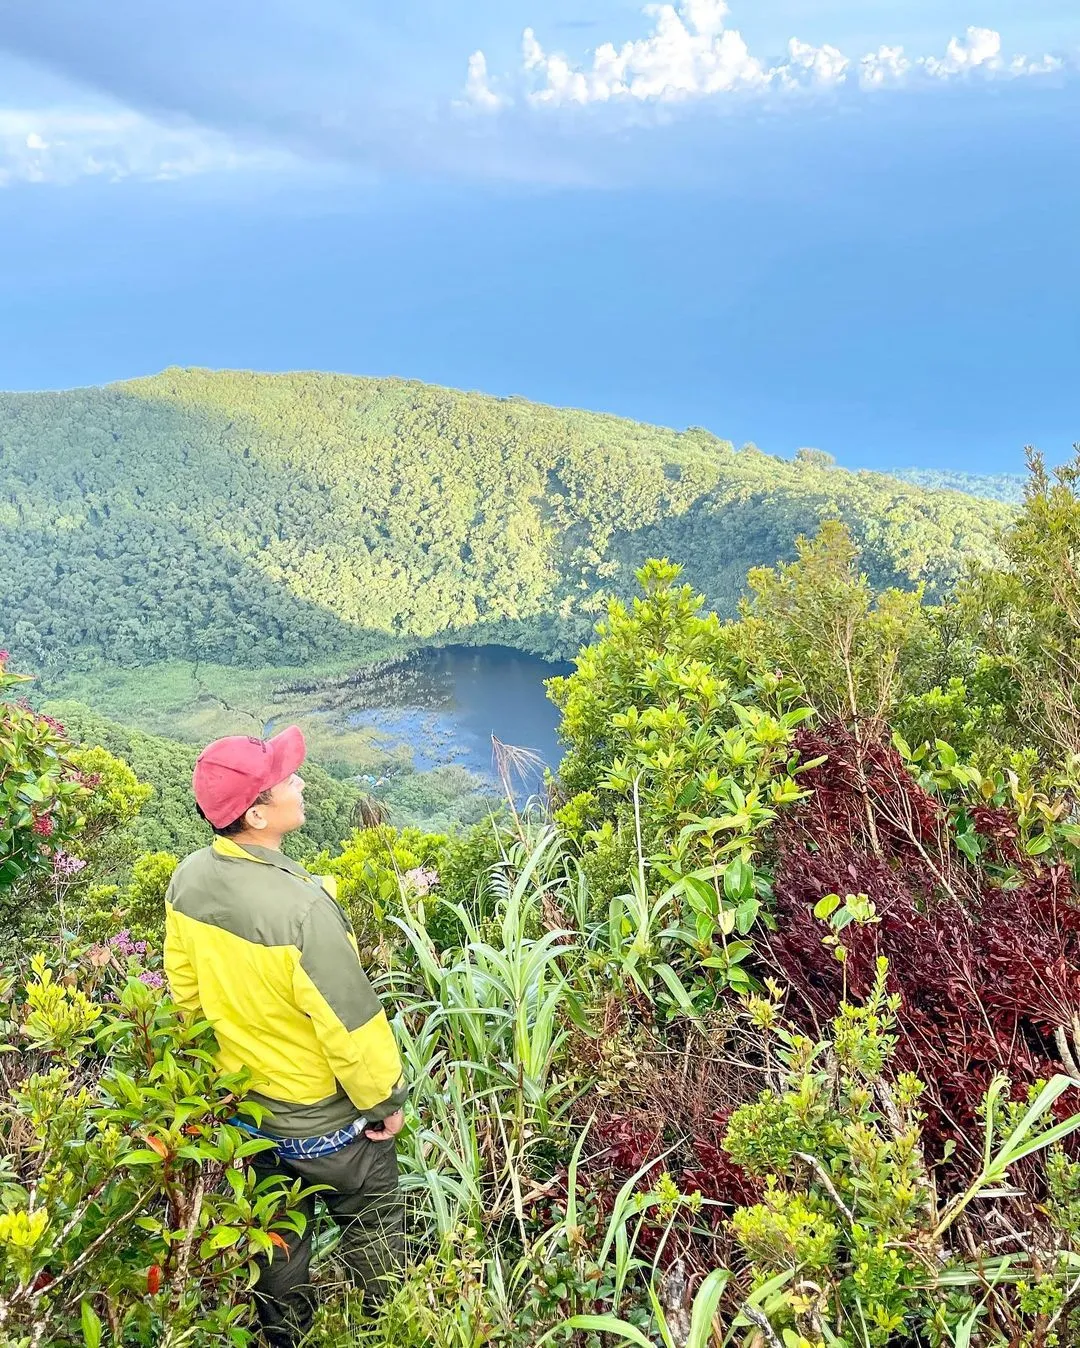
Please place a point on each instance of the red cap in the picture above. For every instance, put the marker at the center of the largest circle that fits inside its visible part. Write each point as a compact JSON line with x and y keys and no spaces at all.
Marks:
{"x":231,"y":774}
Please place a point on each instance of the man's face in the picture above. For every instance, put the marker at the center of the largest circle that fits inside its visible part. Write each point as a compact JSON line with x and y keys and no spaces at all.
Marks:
{"x":284,"y":811}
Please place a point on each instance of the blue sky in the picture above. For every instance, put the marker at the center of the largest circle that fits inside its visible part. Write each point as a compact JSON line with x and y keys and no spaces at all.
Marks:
{"x":848,"y":225}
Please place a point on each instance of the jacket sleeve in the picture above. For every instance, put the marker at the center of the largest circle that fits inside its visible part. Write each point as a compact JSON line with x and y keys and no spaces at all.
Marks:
{"x":180,"y":972}
{"x":330,"y":986}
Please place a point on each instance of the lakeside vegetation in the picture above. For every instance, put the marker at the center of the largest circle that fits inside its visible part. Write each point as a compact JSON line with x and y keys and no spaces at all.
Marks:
{"x":759,"y":1030}
{"x":197,"y":703}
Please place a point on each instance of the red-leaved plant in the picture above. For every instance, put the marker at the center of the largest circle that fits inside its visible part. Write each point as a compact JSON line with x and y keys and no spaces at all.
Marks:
{"x":988,"y":970}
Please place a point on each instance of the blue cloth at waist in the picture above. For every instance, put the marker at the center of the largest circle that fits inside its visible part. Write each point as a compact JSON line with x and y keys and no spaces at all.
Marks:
{"x":308,"y":1148}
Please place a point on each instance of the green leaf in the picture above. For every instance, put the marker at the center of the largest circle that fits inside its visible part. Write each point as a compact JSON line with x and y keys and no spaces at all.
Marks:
{"x":675,"y":987}
{"x":970,"y":844}
{"x":734,"y":953}
{"x":747,"y":915}
{"x":603,"y":1324}
{"x":704,"y":1309}
{"x":824,"y":908}
{"x":738,"y":880}
{"x":91,"y":1326}
{"x":141,"y":1156}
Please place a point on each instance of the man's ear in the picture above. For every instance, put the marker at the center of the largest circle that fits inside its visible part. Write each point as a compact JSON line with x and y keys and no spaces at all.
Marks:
{"x":253,"y":818}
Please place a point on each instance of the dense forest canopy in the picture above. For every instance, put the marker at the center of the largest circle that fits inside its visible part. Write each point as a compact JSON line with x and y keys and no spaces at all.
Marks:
{"x":255,"y":519}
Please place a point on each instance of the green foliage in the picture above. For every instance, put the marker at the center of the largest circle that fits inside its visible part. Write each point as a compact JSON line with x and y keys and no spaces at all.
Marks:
{"x":440,"y":801}
{"x":375,"y":867}
{"x":42,"y":795}
{"x":466,"y":862}
{"x":279,"y":518}
{"x":101,"y":911}
{"x":975,"y":710}
{"x":127,"y":1214}
{"x":661,"y":700}
{"x":820,"y":616}
{"x":849,"y":1212}
{"x":1038,"y":805}
{"x":868,"y":658}
{"x":559,"y":984}
{"x":1028,"y":613}
{"x":144,"y":906}
{"x":680,"y":755}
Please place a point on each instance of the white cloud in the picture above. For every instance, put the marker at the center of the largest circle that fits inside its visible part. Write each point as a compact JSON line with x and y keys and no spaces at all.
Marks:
{"x":1045,"y":65}
{"x":821,"y":65}
{"x":478,"y":92}
{"x":888,"y":65}
{"x":532,"y":54}
{"x":980,"y":48}
{"x":690,"y":52}
{"x":63,"y":145}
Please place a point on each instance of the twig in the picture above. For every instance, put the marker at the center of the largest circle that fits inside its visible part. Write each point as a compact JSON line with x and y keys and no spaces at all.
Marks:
{"x":1067,"y":1059}
{"x":193,"y":1213}
{"x":89,"y":1252}
{"x":826,"y":1183}
{"x":1066,"y":1304}
{"x":761,"y":1322}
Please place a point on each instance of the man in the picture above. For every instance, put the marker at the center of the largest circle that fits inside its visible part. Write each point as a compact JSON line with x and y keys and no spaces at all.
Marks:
{"x":262,"y":950}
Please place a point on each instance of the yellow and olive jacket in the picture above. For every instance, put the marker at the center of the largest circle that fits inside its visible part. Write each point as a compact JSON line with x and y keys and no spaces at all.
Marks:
{"x":264,"y":952}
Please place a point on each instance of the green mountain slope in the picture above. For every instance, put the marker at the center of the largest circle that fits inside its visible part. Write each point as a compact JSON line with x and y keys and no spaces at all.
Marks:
{"x":280,"y":519}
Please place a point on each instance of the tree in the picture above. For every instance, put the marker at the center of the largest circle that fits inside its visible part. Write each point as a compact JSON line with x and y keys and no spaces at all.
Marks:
{"x":1029,"y":612}
{"x":816,"y":458}
{"x":819,"y":618}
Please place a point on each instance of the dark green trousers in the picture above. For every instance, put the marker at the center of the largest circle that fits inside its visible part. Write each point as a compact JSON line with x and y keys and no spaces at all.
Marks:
{"x":365,"y":1200}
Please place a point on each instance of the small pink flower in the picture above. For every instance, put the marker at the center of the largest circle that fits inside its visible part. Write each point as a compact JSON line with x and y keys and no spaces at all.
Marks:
{"x":43,"y":826}
{"x":64,"y":864}
{"x":4,"y":658}
{"x":124,"y":945}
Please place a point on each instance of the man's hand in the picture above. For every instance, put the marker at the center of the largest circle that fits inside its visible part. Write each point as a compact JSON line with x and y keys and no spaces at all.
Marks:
{"x":388,"y":1128}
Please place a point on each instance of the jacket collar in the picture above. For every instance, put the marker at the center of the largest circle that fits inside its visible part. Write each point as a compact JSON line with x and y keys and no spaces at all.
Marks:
{"x":268,"y":856}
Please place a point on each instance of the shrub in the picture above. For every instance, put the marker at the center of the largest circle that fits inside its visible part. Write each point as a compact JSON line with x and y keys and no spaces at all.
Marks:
{"x":680,"y":758}
{"x":100,"y":911}
{"x":373,"y":867}
{"x":850,"y":1218}
{"x":982,"y":938}
{"x":127,"y":1215}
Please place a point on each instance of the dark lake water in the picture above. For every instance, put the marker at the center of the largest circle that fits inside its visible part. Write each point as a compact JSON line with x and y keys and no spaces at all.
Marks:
{"x":446,"y":705}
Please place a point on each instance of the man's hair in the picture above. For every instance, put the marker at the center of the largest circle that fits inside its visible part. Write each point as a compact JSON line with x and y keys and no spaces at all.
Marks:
{"x":237,"y":825}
